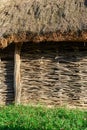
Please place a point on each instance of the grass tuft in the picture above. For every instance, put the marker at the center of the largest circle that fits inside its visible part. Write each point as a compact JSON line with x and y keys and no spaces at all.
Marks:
{"x":41,"y":118}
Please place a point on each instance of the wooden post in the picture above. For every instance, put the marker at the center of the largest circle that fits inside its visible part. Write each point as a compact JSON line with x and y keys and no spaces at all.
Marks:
{"x":17,"y":82}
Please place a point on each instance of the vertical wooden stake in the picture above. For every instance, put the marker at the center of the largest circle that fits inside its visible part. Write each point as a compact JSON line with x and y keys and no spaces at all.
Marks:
{"x":17,"y":82}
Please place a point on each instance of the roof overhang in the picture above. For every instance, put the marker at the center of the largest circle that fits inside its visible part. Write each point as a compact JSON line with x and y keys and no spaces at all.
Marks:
{"x":42,"y":20}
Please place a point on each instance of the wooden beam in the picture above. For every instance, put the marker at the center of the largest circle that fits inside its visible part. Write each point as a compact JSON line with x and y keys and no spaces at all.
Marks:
{"x":17,"y":81}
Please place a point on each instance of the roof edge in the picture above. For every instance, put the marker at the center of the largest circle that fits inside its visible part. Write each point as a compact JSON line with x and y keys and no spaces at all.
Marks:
{"x":55,"y":36}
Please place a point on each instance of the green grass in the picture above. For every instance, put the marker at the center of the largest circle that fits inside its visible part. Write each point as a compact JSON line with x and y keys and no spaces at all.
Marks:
{"x":41,"y":118}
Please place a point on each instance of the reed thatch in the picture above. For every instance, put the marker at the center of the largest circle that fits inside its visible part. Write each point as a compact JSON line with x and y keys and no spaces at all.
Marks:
{"x":42,"y":20}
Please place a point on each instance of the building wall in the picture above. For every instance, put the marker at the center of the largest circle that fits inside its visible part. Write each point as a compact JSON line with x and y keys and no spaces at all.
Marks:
{"x":54,"y":74}
{"x":6,"y":75}
{"x":51,"y":74}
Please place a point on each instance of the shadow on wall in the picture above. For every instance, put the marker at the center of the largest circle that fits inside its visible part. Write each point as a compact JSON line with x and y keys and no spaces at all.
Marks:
{"x":7,"y":60}
{"x":85,"y":3}
{"x":9,"y":82}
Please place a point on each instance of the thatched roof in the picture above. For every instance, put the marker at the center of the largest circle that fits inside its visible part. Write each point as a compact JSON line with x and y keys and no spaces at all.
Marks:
{"x":42,"y":20}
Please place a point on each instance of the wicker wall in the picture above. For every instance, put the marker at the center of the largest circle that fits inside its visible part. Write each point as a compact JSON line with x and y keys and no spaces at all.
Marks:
{"x":54,"y":74}
{"x":6,"y":75}
{"x":51,"y":73}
